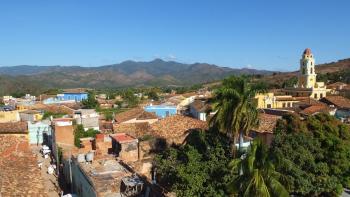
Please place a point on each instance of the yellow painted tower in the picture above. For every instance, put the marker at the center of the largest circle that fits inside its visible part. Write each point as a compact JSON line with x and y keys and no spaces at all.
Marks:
{"x":307,"y":75}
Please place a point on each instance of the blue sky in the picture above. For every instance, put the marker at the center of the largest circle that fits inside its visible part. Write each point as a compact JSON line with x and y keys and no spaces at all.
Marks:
{"x":259,"y":34}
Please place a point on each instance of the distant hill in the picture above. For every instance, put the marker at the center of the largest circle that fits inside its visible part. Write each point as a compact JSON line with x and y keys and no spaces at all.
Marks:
{"x":332,"y":67}
{"x":129,"y":73}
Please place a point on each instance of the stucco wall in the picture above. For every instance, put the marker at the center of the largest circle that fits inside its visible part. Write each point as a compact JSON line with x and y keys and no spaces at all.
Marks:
{"x":37,"y":132}
{"x":64,"y":135}
{"x":9,"y":116}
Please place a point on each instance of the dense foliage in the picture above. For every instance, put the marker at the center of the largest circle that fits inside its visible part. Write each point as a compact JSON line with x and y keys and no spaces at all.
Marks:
{"x":80,"y":133}
{"x":290,"y":82}
{"x":129,"y":98}
{"x":340,"y":76}
{"x":48,"y":114}
{"x":313,"y":155}
{"x":18,"y":94}
{"x":90,"y":102}
{"x":198,"y":168}
{"x":152,"y":94}
{"x":52,"y":91}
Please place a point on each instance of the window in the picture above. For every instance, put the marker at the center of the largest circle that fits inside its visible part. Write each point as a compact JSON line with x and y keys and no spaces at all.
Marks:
{"x":289,"y":105}
{"x":312,"y":71}
{"x":283,"y":105}
{"x":303,"y":71}
{"x":268,"y":105}
{"x":321,"y":95}
{"x":315,"y":96}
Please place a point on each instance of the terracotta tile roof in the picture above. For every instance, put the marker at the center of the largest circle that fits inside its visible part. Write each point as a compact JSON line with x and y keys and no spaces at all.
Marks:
{"x":137,"y":113}
{"x":134,"y":129}
{"x":308,"y":101}
{"x":19,"y":174}
{"x":267,"y":123}
{"x":30,"y":112}
{"x":337,"y":101}
{"x":72,"y":106}
{"x":313,"y":109}
{"x":147,"y":115}
{"x":123,"y":138}
{"x":173,"y":128}
{"x":176,"y":128}
{"x":54,"y":108}
{"x":75,"y":90}
{"x":14,"y":128}
{"x":336,"y":85}
{"x":286,"y":99}
{"x":200,"y":106}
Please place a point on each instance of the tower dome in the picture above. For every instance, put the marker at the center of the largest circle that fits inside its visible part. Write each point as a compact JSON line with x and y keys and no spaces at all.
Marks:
{"x":307,"y":51}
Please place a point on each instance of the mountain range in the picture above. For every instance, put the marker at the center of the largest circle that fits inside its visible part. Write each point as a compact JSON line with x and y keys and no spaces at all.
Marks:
{"x":126,"y":74}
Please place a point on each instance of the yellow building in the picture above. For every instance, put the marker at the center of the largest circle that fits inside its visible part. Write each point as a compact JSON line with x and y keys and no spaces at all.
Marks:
{"x":307,"y":85}
{"x":269,"y":100}
{"x":9,"y":116}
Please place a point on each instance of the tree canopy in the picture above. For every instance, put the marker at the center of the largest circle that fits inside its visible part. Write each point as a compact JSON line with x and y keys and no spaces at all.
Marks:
{"x":236,"y":107}
{"x":313,"y":154}
{"x":198,"y":168}
{"x":90,"y":102}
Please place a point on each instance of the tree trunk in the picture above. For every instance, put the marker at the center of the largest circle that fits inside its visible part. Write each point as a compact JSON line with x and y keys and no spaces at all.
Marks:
{"x":233,"y":146}
{"x":240,"y":147}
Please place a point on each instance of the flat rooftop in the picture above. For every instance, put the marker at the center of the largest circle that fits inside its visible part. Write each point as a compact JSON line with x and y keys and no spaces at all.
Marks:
{"x":105,"y":175}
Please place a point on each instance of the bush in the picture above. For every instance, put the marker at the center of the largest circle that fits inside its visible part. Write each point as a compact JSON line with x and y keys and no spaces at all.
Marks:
{"x":48,"y":114}
{"x":79,"y":132}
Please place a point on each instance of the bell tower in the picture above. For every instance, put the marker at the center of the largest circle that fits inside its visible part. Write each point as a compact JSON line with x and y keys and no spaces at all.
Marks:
{"x":307,"y":75}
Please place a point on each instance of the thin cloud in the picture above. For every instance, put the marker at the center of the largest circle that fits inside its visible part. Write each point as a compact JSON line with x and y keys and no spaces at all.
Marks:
{"x":171,"y":57}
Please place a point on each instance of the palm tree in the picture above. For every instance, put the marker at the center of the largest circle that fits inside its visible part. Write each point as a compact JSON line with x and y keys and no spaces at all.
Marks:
{"x":235,"y":107}
{"x":256,"y":175}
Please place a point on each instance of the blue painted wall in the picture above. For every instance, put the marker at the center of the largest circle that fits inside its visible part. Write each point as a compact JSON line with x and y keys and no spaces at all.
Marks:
{"x":73,"y":96}
{"x":162,"y":111}
{"x":342,"y":113}
{"x":37,"y":131}
{"x":81,"y":184}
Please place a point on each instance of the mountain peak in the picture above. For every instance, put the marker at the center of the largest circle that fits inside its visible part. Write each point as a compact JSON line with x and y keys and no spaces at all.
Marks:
{"x":158,"y":60}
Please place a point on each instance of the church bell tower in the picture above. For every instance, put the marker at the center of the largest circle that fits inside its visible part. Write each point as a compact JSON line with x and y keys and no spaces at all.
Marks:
{"x":307,"y":75}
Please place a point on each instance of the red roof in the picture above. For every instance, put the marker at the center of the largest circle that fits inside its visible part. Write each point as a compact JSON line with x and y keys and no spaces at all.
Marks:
{"x":13,"y":128}
{"x":313,"y":109}
{"x":338,"y":101}
{"x":123,"y":138}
